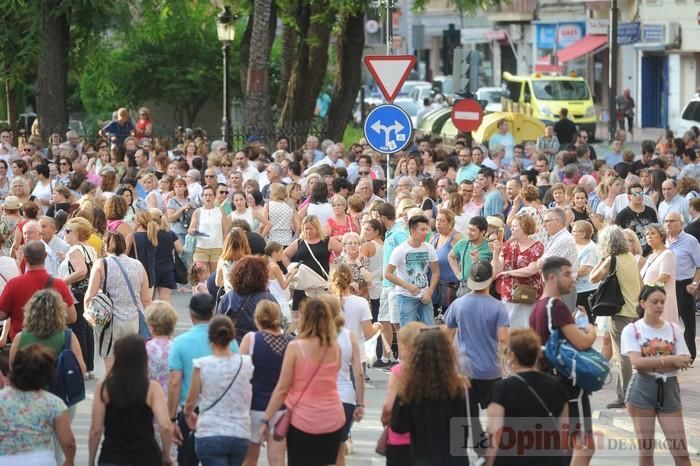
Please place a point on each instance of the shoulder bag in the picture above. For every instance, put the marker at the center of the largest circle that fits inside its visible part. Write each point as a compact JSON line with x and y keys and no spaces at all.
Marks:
{"x":143,"y":327}
{"x":80,"y":288}
{"x":607,"y":299}
{"x":309,"y":280}
{"x":521,"y":293}
{"x":539,"y":399}
{"x":282,"y":427}
{"x":463,"y":287}
{"x":100,"y":315}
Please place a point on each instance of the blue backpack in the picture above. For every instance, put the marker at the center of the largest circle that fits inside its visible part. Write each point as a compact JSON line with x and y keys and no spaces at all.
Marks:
{"x":69,"y":384}
{"x":587,"y":369}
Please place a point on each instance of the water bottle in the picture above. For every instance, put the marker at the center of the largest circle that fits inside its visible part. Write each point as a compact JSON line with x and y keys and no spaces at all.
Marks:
{"x":581,"y":319}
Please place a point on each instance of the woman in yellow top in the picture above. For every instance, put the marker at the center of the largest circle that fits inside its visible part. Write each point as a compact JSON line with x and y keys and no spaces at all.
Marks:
{"x":612,"y":243}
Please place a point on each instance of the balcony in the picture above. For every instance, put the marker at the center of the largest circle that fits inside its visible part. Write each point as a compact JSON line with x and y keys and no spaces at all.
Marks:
{"x":514,"y":12}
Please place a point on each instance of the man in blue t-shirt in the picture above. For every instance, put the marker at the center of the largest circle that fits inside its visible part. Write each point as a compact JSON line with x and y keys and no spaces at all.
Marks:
{"x":119,"y":129}
{"x":493,"y":202}
{"x":184,"y":349}
{"x":482,"y":336}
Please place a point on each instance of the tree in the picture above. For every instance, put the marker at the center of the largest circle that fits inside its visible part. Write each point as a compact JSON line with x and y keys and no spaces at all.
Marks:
{"x":313,"y":22}
{"x":350,"y":42}
{"x":258,"y":113}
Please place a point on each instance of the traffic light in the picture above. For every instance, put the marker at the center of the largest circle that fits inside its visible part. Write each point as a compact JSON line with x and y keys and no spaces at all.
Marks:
{"x":460,"y":70}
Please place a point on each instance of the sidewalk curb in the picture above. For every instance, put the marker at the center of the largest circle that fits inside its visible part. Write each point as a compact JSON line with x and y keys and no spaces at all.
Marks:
{"x":625,"y":424}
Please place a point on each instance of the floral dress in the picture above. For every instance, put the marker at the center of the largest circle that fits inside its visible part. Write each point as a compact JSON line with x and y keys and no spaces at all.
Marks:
{"x":158,"y":350}
{"x":356,"y":272}
{"x":513,"y":259}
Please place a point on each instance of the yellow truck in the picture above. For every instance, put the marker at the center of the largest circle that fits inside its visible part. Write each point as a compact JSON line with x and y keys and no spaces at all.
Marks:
{"x":547,"y":94}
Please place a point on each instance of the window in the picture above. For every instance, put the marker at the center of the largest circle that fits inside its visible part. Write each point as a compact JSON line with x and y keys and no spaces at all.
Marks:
{"x":560,"y":90}
{"x":514,"y":90}
{"x":692,"y":111}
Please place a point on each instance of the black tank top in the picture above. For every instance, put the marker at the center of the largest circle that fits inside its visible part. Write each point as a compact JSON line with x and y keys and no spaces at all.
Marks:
{"x":129,"y":436}
{"x":321,"y":252}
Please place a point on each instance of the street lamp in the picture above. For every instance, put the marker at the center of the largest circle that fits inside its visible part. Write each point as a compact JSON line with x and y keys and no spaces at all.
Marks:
{"x":226,"y":32}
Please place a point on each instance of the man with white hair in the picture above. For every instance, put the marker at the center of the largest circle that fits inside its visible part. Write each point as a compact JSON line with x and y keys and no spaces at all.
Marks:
{"x":673,"y":202}
{"x":312,"y":145}
{"x":194,"y":186}
{"x":365,"y":189}
{"x":219,"y":147}
{"x":274,"y":175}
{"x":333,"y":159}
{"x":589,"y":183}
{"x":560,"y":244}
{"x":32,"y":232}
{"x":73,"y":139}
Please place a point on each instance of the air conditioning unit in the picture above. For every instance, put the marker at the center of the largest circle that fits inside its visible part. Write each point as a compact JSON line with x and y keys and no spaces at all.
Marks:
{"x":663,"y":33}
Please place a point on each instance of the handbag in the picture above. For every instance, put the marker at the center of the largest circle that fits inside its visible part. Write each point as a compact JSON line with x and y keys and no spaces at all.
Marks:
{"x":99,"y":312}
{"x":521,"y":293}
{"x":282,"y":427}
{"x":143,"y":327}
{"x":607,"y":299}
{"x":80,"y":288}
{"x":380,"y":448}
{"x":181,"y":275}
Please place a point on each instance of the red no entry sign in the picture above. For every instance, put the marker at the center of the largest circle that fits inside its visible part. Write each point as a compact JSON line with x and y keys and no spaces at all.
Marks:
{"x":467,"y":115}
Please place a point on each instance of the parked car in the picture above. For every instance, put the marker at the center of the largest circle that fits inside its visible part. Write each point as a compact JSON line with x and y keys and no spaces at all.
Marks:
{"x":491,"y":96}
{"x":690,"y":116}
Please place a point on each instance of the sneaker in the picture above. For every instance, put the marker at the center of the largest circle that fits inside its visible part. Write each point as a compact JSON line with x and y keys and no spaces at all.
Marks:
{"x":615,"y":405}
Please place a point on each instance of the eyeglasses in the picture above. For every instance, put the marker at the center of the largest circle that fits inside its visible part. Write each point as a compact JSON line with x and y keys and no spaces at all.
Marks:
{"x":226,"y":165}
{"x":223,"y":192}
{"x":63,"y":163}
{"x":363,"y":173}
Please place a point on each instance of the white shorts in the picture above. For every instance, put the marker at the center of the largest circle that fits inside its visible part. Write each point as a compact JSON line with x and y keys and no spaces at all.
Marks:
{"x":388,"y":311}
{"x":256,"y":422}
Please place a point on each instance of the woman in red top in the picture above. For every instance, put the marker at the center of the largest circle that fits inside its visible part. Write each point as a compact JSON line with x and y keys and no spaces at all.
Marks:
{"x":515,"y":262}
{"x":144,"y":126}
{"x":340,"y":223}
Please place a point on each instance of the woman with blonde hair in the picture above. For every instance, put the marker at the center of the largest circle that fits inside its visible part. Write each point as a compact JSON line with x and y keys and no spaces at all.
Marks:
{"x":280,"y":216}
{"x":635,"y":247}
{"x":153,"y":196}
{"x":431,"y":393}
{"x":236,"y":247}
{"x":340,"y":222}
{"x":214,"y":224}
{"x":398,"y":446}
{"x":167,"y":245}
{"x":75,"y":272}
{"x":313,"y":249}
{"x":610,"y":189}
{"x":266,"y":347}
{"x":308,"y":385}
{"x":351,"y":388}
{"x":660,"y":269}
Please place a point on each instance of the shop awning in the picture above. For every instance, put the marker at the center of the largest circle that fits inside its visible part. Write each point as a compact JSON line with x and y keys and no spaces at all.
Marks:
{"x":586,"y":46}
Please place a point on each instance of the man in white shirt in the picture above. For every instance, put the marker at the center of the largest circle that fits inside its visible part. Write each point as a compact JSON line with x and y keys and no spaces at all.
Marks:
{"x":332,"y":159}
{"x":48,"y":234}
{"x":312,"y":145}
{"x":32,"y":232}
{"x":7,"y":151}
{"x":247,"y":169}
{"x":560,"y":244}
{"x":194,"y":187}
{"x":673,"y":202}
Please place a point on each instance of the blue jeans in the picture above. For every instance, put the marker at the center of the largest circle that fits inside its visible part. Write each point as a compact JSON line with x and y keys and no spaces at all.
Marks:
{"x":413,"y":309}
{"x":221,"y":450}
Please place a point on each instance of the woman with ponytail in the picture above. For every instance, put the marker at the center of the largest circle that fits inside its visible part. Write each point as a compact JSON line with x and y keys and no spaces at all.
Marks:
{"x":358,"y":316}
{"x":145,"y":243}
{"x":222,"y":390}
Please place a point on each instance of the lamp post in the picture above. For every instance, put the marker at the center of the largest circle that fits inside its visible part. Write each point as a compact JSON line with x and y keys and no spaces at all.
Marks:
{"x":226,"y":32}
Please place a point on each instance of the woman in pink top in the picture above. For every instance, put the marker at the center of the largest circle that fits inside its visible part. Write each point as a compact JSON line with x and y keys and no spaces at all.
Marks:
{"x":308,"y":386}
{"x":398,"y":446}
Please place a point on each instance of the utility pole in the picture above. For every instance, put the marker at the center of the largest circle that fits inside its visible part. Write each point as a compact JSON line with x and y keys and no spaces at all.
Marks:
{"x":612,"y":68}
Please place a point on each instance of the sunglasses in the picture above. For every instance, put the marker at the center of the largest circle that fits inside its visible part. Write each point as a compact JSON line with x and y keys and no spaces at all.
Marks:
{"x":223,"y":192}
{"x":64,"y":163}
{"x":364,"y":173}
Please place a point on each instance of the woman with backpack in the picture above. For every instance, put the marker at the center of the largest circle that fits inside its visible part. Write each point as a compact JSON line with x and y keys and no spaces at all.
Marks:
{"x":124,"y":280}
{"x":45,"y":324}
{"x":75,"y":272}
{"x":657,"y":351}
{"x":221,"y":388}
{"x":33,"y":417}
{"x":125,"y":405}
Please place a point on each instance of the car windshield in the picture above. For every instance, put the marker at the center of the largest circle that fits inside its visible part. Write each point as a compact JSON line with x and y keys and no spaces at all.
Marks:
{"x":560,"y":90}
{"x":492,"y":97}
{"x":409,"y":106}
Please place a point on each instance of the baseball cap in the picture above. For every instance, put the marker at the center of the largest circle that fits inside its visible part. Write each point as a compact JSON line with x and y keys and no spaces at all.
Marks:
{"x":480,"y":276}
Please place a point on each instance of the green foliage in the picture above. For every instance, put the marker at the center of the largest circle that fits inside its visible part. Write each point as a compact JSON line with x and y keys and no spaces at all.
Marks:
{"x":463,"y":6}
{"x":172,"y":55}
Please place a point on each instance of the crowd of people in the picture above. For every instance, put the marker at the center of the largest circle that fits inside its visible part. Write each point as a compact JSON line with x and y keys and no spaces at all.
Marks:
{"x":460,"y":265}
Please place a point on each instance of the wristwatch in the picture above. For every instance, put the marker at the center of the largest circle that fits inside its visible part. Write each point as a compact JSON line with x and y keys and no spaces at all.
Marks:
{"x":173,"y":419}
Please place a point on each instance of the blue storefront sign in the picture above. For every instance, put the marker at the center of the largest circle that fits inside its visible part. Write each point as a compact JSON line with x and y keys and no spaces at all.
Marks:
{"x":562,"y":34}
{"x":627,"y":33}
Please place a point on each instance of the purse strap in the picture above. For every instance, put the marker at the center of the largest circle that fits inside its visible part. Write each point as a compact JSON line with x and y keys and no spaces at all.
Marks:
{"x":537,"y":397}
{"x":128,"y":284}
{"x":316,"y":260}
{"x":235,"y":376}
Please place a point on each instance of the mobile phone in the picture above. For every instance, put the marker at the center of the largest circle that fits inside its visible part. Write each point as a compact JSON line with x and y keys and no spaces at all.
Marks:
{"x":500,"y":234}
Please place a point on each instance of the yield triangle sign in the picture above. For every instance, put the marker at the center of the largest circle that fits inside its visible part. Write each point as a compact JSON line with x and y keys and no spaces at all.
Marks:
{"x":390,"y":71}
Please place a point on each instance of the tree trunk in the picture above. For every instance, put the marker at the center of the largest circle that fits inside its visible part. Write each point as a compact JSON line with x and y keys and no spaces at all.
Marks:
{"x":11,"y":101}
{"x":52,"y":74}
{"x":350,"y":43}
{"x":289,"y":49}
{"x":258,"y":114}
{"x":308,"y":71}
{"x":244,"y":52}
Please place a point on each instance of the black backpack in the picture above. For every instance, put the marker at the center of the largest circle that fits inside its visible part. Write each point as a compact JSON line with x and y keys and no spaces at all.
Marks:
{"x":607,"y":299}
{"x":69,"y":384}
